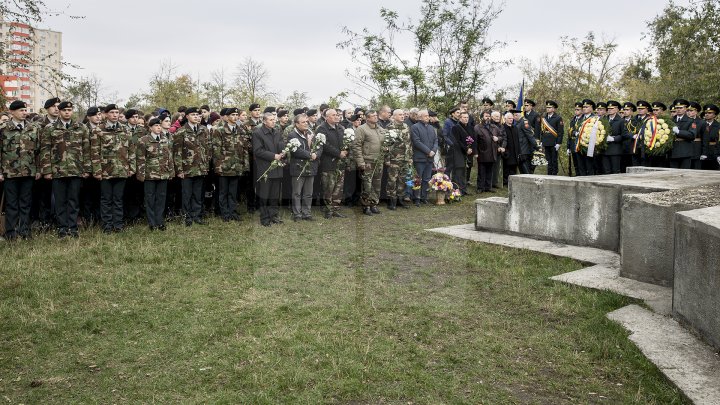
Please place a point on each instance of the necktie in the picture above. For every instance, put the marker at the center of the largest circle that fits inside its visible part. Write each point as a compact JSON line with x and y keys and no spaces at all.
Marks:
{"x":67,"y":125}
{"x":157,"y":138}
{"x":19,"y":127}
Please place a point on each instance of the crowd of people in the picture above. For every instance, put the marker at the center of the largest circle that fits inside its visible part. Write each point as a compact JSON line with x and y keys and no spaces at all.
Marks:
{"x":117,"y":166}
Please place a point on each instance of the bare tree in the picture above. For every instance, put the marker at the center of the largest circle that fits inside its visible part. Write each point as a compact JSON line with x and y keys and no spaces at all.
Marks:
{"x":218,"y":89}
{"x":251,"y":82}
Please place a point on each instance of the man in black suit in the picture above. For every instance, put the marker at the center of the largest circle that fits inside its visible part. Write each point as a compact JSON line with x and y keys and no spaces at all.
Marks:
{"x":268,"y":146}
{"x":618,"y":134}
{"x":685,"y":131}
{"x":709,"y":132}
{"x":551,"y":132}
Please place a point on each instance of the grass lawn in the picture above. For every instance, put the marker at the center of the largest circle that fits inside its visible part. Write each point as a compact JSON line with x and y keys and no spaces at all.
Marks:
{"x":357,"y":310}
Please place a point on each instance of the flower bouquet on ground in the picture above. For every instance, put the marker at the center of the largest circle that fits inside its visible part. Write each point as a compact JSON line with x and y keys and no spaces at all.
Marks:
{"x":538,"y":159}
{"x":455,"y":195}
{"x":593,"y":130}
{"x":441,"y":184}
{"x":659,"y":136}
{"x":318,"y":143}
{"x":291,"y":147}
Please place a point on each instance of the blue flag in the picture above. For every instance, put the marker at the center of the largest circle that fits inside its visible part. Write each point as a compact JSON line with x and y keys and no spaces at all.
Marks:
{"x":520,"y":102}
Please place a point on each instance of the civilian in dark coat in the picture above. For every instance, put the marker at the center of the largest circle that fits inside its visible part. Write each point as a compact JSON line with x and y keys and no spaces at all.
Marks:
{"x":303,"y":168}
{"x":487,"y":148}
{"x":268,"y":145}
{"x":425,"y":146}
{"x":460,"y":150}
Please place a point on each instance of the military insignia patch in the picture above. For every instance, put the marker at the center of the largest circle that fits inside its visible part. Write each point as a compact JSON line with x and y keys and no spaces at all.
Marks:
{"x":694,"y":125}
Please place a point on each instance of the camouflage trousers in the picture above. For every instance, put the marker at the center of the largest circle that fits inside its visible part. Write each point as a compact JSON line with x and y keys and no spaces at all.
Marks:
{"x":371,"y":178}
{"x":332,"y":187}
{"x":395,"y":187}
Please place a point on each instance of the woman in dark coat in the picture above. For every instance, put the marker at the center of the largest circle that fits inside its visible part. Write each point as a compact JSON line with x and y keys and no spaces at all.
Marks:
{"x":460,"y":150}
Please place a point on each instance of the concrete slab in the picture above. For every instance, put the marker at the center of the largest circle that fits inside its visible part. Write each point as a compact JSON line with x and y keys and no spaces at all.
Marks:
{"x":688,"y":363}
{"x":490,"y":214}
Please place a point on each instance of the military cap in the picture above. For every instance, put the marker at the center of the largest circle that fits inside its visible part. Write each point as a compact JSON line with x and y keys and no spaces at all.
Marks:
{"x":358,"y":110}
{"x":232,"y":110}
{"x":254,"y":106}
{"x":432,"y":113}
{"x":298,"y":111}
{"x":694,"y":106}
{"x":453,"y":110}
{"x":110,"y":107}
{"x":51,"y":102}
{"x":711,"y":108}
{"x":514,"y":111}
{"x":323,"y":107}
{"x":578,"y":104}
{"x":487,"y":100}
{"x":223,"y":112}
{"x":642,"y":104}
{"x":588,"y":103}
{"x":92,"y":111}
{"x":205,"y":107}
{"x":282,"y":113}
{"x":354,"y":118}
{"x":529,"y":101}
{"x":161,"y":111}
{"x":182,"y":108}
{"x":680,"y":102}
{"x":551,"y":103}
{"x":629,"y":105}
{"x":613,"y":103}
{"x":601,"y":104}
{"x":657,"y":104}
{"x":510,"y":102}
{"x":154,"y":121}
{"x":269,"y":110}
{"x":16,"y":105}
{"x":191,"y":110}
{"x":64,"y":105}
{"x":311,"y":111}
{"x":130,"y":112}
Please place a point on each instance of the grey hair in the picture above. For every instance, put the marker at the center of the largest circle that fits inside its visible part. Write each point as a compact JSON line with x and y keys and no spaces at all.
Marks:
{"x":297,"y":118}
{"x":495,"y":113}
{"x":267,"y":116}
{"x":422,"y":112}
{"x":509,"y":115}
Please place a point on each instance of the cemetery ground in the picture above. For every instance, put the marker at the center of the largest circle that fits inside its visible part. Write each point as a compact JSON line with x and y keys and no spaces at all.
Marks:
{"x":356,"y":310}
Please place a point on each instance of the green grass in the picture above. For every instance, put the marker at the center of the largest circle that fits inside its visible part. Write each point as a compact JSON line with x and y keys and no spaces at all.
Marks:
{"x":357,"y":310}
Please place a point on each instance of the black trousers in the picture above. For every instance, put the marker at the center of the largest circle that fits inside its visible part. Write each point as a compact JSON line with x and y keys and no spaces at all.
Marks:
{"x":133,"y":199}
{"x":227,"y":195}
{"x":485,"y":174}
{"x":524,"y":164}
{"x":18,"y":202}
{"x":173,"y":199}
{"x":268,"y":192}
{"x":90,"y":199}
{"x":66,"y":191}
{"x":192,"y":197}
{"x":468,"y":165}
{"x":42,"y":201}
{"x":111,"y":203}
{"x":612,"y":164}
{"x":586,"y":165}
{"x":680,"y":163}
{"x":155,"y":194}
{"x":579,"y":169}
{"x":508,"y":170}
{"x":551,"y":155}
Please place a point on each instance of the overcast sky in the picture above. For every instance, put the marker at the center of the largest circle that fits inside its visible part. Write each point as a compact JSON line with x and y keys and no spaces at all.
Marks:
{"x":124,"y":45}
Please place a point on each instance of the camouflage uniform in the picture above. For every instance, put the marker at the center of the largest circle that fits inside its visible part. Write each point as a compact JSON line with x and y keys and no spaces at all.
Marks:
{"x":134,"y":189}
{"x":367,"y":151}
{"x":230,"y":156}
{"x":154,"y":168}
{"x":247,"y":180}
{"x":191,"y":153}
{"x":19,"y":152}
{"x":332,"y":171}
{"x":113,"y":161}
{"x":66,"y":157}
{"x":398,"y":161}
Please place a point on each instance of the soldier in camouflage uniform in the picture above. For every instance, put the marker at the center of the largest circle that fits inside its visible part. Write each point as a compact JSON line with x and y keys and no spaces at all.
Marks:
{"x":332,"y":168}
{"x":154,"y":168}
{"x":90,"y":189}
{"x":367,"y":152}
{"x":398,"y":160}
{"x":66,"y":160}
{"x":133,"y":199}
{"x":229,"y":155}
{"x":19,"y":151}
{"x":113,"y":161}
{"x":191,"y":154}
{"x":42,"y":190}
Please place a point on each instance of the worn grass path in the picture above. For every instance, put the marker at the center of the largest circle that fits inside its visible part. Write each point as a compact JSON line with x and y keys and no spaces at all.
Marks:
{"x":358,"y":310}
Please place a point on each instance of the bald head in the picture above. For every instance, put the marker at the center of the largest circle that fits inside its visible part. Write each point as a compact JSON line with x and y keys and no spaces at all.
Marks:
{"x":398,"y":115}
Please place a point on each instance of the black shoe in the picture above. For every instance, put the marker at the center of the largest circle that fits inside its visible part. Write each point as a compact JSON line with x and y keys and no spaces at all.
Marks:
{"x":375,"y":210}
{"x":236,"y":217}
{"x":308,"y":218}
{"x":328,"y":215}
{"x":392,"y":205}
{"x":423,"y":201}
{"x":188,"y":222}
{"x":401,"y":204}
{"x":417,"y":203}
{"x":73,"y":235}
{"x":162,"y":228}
{"x":296,"y":218}
{"x":118,"y":229}
{"x":338,"y":215}
{"x":367,"y":211}
{"x":266,"y":223}
{"x":276,"y":221}
{"x":106,"y":231}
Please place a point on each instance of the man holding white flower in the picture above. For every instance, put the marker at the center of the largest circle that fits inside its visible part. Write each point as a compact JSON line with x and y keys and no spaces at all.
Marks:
{"x":304,"y":166}
{"x":268,"y":146}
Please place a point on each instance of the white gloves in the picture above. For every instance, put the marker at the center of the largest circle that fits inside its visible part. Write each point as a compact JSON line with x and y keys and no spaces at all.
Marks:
{"x":635,"y":136}
{"x":703,"y":157}
{"x":676,"y":130}
{"x":557,"y":147}
{"x":611,"y":139}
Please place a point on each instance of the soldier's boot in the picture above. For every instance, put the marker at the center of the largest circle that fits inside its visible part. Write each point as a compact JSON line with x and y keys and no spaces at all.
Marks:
{"x":401,"y":204}
{"x":392,"y":205}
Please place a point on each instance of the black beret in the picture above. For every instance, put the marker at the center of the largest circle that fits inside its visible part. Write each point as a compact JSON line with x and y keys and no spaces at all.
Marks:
{"x":16,"y":105}
{"x":311,"y":111}
{"x":232,"y":110}
{"x":551,"y":103}
{"x":92,"y":111}
{"x":205,"y":107}
{"x":130,"y":112}
{"x":601,"y":104}
{"x":487,"y":100}
{"x":354,"y":118}
{"x":711,"y":108}
{"x":588,"y":103}
{"x":282,"y":113}
{"x":694,"y":105}
{"x":51,"y":102}
{"x":64,"y":105}
{"x":629,"y":105}
{"x":452,"y":110}
{"x":529,"y":101}
{"x":269,"y":110}
{"x":298,"y":111}
{"x":510,"y":102}
{"x":253,"y":106}
{"x":515,"y":111}
{"x":613,"y":103}
{"x":110,"y":107}
{"x":578,"y":104}
{"x":223,"y":112}
{"x":191,"y":110}
{"x":358,"y":110}
{"x":642,"y":103}
{"x":324,"y":106}
{"x":182,"y":108}
{"x":657,"y":104}
{"x":681,"y":102}
{"x":154,"y":121}
{"x":432,"y":113}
